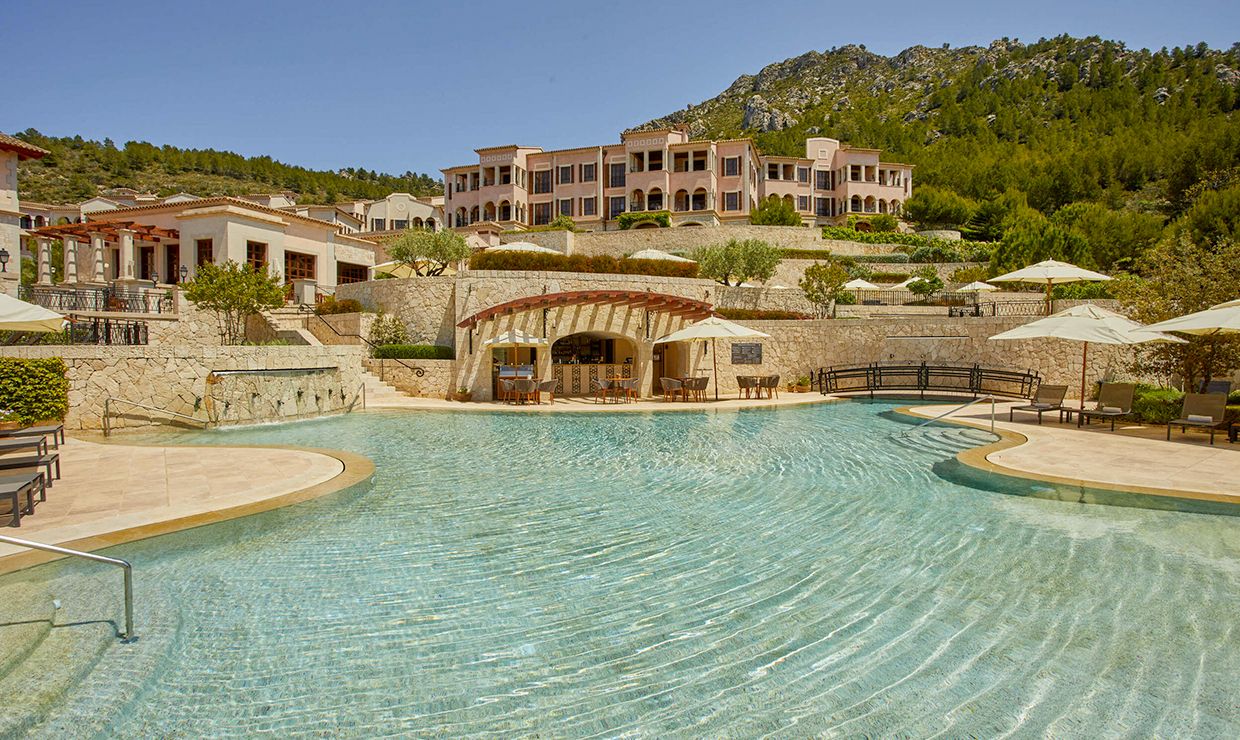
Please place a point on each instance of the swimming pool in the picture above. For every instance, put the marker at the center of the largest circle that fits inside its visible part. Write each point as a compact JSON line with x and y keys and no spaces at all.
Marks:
{"x":733,"y":574}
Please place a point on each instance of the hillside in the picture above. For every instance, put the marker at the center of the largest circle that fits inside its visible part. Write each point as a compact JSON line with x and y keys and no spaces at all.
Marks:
{"x":78,"y":169}
{"x":1061,"y":120}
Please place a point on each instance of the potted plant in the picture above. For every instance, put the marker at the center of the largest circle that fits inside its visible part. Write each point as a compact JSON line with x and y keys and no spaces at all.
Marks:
{"x":800,"y":385}
{"x":463,"y":394}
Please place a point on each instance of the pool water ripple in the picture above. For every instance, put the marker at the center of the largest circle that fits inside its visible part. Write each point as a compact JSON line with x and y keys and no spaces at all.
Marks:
{"x":774,"y":573}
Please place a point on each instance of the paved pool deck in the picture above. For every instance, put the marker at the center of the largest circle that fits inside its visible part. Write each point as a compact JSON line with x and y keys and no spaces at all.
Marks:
{"x":111,"y":493}
{"x":1133,"y":458}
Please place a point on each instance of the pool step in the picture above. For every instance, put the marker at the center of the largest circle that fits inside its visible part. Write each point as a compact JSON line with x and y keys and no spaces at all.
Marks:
{"x":28,"y":613}
{"x":948,"y":440}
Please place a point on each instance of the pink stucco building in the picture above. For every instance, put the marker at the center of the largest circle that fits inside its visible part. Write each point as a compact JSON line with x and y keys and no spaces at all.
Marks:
{"x":701,"y":183}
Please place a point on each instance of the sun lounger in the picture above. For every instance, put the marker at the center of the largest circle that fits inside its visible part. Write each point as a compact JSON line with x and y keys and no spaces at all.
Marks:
{"x":1203,"y":411}
{"x":8,"y":462}
{"x":1047,"y":398}
{"x":15,"y":487}
{"x":1114,"y":401}
{"x":55,"y":431}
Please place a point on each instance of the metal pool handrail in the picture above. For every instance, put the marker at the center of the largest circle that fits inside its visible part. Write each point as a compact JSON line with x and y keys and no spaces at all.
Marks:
{"x":961,"y":407}
{"x":128,"y":635}
{"x":107,"y":413}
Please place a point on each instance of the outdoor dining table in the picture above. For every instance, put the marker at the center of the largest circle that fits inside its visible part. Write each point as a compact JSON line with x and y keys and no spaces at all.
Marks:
{"x":24,"y":443}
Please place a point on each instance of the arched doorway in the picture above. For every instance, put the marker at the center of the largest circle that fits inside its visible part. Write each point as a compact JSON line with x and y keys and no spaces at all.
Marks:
{"x":579,"y":359}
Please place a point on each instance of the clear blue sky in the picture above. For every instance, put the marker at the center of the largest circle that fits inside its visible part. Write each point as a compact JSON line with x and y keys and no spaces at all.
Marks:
{"x":397,"y":86}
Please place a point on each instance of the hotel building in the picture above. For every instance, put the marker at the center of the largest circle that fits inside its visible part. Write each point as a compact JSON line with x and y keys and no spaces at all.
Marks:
{"x":701,"y":183}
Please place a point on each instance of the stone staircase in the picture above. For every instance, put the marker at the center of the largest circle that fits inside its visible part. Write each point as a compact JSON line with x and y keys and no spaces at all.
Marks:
{"x":287,"y":323}
{"x":379,"y":393}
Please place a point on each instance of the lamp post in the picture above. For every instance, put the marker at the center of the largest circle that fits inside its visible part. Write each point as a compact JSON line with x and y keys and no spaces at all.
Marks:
{"x":154,"y":278}
{"x":4,"y":260}
{"x":184,"y":273}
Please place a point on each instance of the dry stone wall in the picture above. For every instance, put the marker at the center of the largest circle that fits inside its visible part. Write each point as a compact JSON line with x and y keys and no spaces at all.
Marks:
{"x":437,"y":380}
{"x":424,"y":304}
{"x":176,"y":379}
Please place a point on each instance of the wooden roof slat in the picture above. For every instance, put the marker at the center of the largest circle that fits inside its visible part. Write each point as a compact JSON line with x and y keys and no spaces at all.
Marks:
{"x":659,"y":302}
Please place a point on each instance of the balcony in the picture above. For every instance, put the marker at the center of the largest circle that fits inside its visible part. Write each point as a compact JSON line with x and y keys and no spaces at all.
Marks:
{"x":66,"y":300}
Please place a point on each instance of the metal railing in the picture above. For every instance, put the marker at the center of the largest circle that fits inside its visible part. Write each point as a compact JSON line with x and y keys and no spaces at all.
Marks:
{"x":128,"y":635}
{"x":417,"y":371}
{"x":901,"y":297}
{"x":999,"y":308}
{"x":949,"y":412}
{"x":974,"y":380}
{"x":107,"y":413}
{"x":110,"y":298}
{"x":108,"y":331}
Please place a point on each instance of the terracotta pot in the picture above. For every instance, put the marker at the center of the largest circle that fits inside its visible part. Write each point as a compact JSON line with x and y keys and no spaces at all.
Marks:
{"x":462,"y":396}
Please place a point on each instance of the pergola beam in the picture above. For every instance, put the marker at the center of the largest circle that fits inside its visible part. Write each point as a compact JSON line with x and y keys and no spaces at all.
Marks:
{"x":658,"y":302}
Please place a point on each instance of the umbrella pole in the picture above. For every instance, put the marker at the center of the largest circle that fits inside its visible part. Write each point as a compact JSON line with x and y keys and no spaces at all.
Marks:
{"x":1084,"y":356}
{"x":714,"y":357}
{"x":1048,"y":296}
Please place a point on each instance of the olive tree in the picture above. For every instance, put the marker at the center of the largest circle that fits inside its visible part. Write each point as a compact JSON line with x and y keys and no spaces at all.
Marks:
{"x":427,"y":252}
{"x":824,"y":286}
{"x":233,"y":293}
{"x":737,"y":261}
{"x":926,"y":281}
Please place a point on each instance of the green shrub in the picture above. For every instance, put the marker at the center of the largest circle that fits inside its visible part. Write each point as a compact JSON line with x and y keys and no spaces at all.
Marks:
{"x":629,"y":220}
{"x":413,"y":352}
{"x":884,"y":223}
{"x":33,"y":390}
{"x":888,"y":277}
{"x":388,"y":330}
{"x":752,"y":314}
{"x":600,"y":263}
{"x":1082,"y":291}
{"x":1156,"y":405}
{"x":825,"y":254}
{"x":841,"y":233}
{"x":332,"y":306}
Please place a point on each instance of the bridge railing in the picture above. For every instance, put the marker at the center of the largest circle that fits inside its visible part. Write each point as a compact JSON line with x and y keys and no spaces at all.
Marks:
{"x":973,"y":380}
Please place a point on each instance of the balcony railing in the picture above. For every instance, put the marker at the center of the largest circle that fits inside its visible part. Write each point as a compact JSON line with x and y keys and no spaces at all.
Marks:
{"x":110,"y":298}
{"x":108,"y":331}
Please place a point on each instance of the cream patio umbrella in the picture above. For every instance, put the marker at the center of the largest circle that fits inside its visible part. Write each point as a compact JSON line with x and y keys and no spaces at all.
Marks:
{"x":1087,"y":323}
{"x":712,"y":328}
{"x":1221,"y":319}
{"x":18,"y":315}
{"x":655,"y":254}
{"x":860,"y":284}
{"x":514,"y":338}
{"x":1051,"y":273}
{"x":976,"y":286}
{"x":395,"y":269}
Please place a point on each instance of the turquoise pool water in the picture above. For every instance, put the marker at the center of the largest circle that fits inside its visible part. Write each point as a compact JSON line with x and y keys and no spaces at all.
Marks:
{"x":778,"y":573}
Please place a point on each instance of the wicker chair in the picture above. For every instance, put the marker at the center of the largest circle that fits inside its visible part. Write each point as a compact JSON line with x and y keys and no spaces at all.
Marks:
{"x":505,"y":390}
{"x":770,"y":384}
{"x":600,"y":389}
{"x":627,"y":388}
{"x":549,"y":387}
{"x":697,"y":386}
{"x":672,"y":388}
{"x":526,"y":389}
{"x":746,"y":384}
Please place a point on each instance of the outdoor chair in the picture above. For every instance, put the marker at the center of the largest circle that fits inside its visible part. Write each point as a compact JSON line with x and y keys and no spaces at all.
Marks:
{"x":770,"y":384}
{"x":548,"y":387}
{"x":1047,"y":398}
{"x":697,"y":387}
{"x":14,"y":487}
{"x":672,"y":388}
{"x":1203,"y":411}
{"x":34,"y":461}
{"x":506,"y":390}
{"x":600,"y":389}
{"x":746,"y":384}
{"x":525,"y":389}
{"x":1114,"y":401}
{"x":1219,"y":386}
{"x":627,"y":388}
{"x":55,"y":431}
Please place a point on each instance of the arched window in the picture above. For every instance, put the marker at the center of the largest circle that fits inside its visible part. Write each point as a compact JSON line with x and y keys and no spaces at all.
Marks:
{"x":637,"y":201}
{"x":654,"y":200}
{"x":699,"y":200}
{"x":505,"y":210}
{"x":681,"y":200}
{"x":854,"y":205}
{"x":488,"y":211}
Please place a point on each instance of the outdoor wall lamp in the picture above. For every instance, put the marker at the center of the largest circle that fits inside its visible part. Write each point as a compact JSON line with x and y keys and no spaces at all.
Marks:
{"x":184,"y":272}
{"x":4,"y":260}
{"x":154,"y":278}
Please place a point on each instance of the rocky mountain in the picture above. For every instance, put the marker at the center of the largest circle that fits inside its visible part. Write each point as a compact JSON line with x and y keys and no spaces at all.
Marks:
{"x":1009,"y":115}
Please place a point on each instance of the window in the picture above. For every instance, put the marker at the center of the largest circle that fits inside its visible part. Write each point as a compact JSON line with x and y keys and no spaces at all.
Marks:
{"x":542,"y":212}
{"x":255,"y":254}
{"x":566,"y":207}
{"x":377,"y":224}
{"x":680,"y":161}
{"x":802,"y":202}
{"x":616,"y":207}
{"x":206,"y":251}
{"x":699,"y":161}
{"x":731,"y":166}
{"x":505,"y":175}
{"x":772,"y":171}
{"x":587,"y":207}
{"x":822,"y":179}
{"x":400,"y":224}
{"x":346,"y":273}
{"x":588,"y":173}
{"x":542,"y":181}
{"x":298,"y":266}
{"x":821,"y":208}
{"x":654,"y":161}
{"x":732,"y":201}
{"x":803,"y":174}
{"x":616,"y":176}
{"x":566,"y":174}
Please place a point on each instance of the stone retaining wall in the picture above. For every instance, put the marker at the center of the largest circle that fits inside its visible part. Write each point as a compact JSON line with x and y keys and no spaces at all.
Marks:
{"x":682,"y":239}
{"x":176,"y":379}
{"x":424,"y":304}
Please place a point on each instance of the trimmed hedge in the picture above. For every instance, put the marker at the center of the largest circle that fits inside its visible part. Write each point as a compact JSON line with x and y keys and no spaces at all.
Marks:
{"x":742,"y":314}
{"x":1153,"y":405}
{"x":825,"y":254}
{"x":33,"y":390}
{"x":935,"y":250}
{"x":413,"y":352}
{"x":844,"y":234}
{"x":889,"y":277}
{"x":332,"y":306}
{"x":599,"y":263}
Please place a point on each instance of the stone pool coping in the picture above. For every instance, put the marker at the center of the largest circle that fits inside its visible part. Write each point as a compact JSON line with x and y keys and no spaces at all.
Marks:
{"x":584,"y":405}
{"x":1034,"y":440}
{"x":354,"y":469}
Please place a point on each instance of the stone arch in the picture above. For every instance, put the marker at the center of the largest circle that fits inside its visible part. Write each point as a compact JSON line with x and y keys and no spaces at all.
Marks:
{"x":680,"y":201}
{"x":637,"y":200}
{"x":854,"y":204}
{"x":488,"y":211}
{"x":699,"y":200}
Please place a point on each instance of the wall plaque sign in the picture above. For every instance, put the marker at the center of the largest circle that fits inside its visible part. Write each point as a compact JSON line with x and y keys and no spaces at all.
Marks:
{"x":747,"y":353}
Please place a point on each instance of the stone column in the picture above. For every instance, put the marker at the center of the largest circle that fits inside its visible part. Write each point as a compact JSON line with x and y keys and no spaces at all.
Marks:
{"x":44,"y":255}
{"x":127,"y":254}
{"x":96,"y":253}
{"x":71,"y":270}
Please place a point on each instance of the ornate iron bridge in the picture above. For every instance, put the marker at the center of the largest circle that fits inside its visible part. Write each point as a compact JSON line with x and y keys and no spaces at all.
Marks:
{"x":973,"y":380}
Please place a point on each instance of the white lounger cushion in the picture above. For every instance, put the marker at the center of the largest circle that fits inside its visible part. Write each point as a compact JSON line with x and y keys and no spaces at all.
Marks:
{"x":1201,"y":418}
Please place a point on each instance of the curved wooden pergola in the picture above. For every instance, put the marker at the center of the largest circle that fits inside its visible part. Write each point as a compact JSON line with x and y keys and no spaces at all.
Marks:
{"x":660,"y":302}
{"x":108,"y":228}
